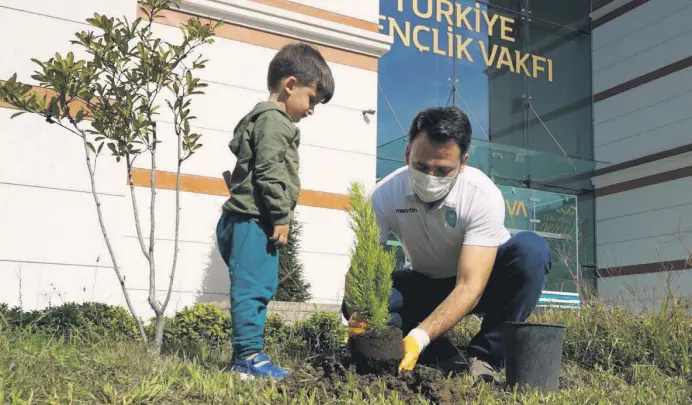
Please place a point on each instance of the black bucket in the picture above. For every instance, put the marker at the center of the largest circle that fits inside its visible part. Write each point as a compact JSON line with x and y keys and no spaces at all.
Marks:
{"x":533,"y":355}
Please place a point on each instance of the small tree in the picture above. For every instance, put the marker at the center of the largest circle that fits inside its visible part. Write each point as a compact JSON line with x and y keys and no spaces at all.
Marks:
{"x":368,"y":281}
{"x":292,"y":284}
{"x":117,"y":90}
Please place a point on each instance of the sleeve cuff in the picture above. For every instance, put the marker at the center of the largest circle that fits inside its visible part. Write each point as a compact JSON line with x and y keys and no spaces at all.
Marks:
{"x":482,"y":242}
{"x":282,"y":220}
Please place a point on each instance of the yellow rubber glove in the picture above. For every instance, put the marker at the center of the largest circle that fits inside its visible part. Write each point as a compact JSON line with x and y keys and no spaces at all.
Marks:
{"x":356,"y":325}
{"x":414,"y":344}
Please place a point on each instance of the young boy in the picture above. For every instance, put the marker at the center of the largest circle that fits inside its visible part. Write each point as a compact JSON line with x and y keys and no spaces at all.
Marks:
{"x":264,"y":189}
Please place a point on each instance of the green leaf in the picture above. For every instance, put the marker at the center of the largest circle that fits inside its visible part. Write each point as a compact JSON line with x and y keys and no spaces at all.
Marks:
{"x":17,"y":114}
{"x":100,"y":147}
{"x":91,"y":147}
{"x":80,"y":116}
{"x":54,"y":109}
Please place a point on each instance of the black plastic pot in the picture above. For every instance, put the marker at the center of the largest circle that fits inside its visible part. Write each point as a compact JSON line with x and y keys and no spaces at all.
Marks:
{"x":533,"y":355}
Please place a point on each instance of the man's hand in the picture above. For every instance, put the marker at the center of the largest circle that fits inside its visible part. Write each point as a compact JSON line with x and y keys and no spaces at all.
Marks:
{"x":280,"y":236}
{"x":414,"y":344}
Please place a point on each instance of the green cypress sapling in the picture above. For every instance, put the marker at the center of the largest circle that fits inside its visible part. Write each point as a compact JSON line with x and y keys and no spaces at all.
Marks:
{"x":368,"y":281}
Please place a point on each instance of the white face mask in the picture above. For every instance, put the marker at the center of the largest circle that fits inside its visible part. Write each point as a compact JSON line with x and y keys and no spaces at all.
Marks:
{"x":431,"y":188}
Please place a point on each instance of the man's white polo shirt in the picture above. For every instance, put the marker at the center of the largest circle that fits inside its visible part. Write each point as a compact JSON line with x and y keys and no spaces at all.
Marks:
{"x":473,"y":213}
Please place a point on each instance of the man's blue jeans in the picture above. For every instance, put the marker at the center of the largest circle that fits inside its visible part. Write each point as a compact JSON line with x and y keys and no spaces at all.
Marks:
{"x":511,"y":294}
{"x":253,"y":266}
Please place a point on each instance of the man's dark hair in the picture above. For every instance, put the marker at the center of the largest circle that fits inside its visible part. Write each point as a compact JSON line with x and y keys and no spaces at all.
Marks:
{"x":306,"y":64}
{"x":441,"y":125}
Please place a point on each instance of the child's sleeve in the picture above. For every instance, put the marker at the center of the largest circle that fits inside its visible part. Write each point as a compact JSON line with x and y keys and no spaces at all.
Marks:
{"x":273,"y":137}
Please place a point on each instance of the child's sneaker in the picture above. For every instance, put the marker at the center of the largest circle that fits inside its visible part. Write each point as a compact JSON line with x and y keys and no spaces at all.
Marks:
{"x":258,"y":366}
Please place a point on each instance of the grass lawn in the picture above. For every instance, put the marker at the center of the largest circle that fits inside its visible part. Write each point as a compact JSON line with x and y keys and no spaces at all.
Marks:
{"x":610,"y":357}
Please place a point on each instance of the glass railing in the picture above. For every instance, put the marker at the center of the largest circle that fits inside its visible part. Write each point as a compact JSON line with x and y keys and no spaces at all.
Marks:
{"x":552,"y":215}
{"x":509,"y":165}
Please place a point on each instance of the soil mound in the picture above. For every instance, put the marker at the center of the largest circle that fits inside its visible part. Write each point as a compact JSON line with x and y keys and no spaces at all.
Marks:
{"x":329,"y":376}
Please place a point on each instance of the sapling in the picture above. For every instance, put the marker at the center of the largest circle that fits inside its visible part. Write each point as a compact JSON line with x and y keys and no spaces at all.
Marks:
{"x":112,"y":99}
{"x":368,"y":280}
{"x":368,"y":287}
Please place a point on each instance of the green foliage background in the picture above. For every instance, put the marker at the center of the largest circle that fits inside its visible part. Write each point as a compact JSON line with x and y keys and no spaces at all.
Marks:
{"x":292,"y":284}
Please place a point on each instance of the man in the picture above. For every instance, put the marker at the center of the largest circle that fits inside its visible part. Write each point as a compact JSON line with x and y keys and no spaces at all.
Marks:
{"x":449,"y":219}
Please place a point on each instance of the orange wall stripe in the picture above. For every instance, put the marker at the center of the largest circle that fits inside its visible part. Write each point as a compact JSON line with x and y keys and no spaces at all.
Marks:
{"x":319,"y":13}
{"x":216,"y":186}
{"x":75,"y":106}
{"x":268,"y":40}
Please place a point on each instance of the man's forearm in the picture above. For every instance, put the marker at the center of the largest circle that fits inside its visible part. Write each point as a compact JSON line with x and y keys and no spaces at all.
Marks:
{"x":459,"y":303}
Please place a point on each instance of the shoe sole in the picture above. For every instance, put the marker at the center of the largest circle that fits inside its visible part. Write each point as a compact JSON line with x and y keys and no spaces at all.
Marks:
{"x":248,"y":376}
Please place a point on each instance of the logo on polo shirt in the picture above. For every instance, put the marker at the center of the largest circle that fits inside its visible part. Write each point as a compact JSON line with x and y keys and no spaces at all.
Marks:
{"x":451,"y":218}
{"x":406,"y":210}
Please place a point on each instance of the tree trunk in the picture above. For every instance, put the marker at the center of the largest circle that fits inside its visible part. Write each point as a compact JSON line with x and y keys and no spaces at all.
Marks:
{"x":157,"y":344}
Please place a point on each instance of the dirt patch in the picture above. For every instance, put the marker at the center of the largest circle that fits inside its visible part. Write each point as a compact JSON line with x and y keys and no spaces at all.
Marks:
{"x":337,"y":375}
{"x":378,"y":353}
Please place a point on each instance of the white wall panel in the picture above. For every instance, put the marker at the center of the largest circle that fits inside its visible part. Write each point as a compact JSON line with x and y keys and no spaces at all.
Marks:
{"x":643,"y":170}
{"x":75,"y":10}
{"x":659,"y":196}
{"x":645,"y":291}
{"x":661,"y":90}
{"x":39,"y":285}
{"x":647,"y":250}
{"x":324,"y":230}
{"x":666,"y":221}
{"x":23,"y":47}
{"x":326,"y":274}
{"x":198,"y":216}
{"x":194,"y":262}
{"x":656,"y":32}
{"x":667,"y":136}
{"x":660,"y":43}
{"x":222,"y":106}
{"x":55,"y":226}
{"x":211,"y":160}
{"x":36,"y":153}
{"x":647,"y":61}
{"x":635,"y":19}
{"x":332,"y":171}
{"x":642,"y":124}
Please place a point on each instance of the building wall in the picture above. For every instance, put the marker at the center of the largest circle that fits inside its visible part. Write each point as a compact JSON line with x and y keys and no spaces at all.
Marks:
{"x":642,"y":91}
{"x":52,"y":246}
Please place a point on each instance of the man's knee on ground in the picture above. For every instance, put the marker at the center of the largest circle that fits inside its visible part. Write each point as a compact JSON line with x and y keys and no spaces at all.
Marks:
{"x":532,"y":255}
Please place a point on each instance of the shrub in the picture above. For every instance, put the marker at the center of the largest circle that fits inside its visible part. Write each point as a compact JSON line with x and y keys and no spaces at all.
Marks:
{"x":368,"y":281}
{"x":275,"y":330}
{"x":15,"y":317}
{"x":90,"y":320}
{"x":321,"y":333}
{"x":292,"y":284}
{"x":200,"y":323}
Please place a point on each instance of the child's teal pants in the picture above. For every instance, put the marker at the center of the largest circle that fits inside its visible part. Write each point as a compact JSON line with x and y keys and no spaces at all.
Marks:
{"x":253,"y":265}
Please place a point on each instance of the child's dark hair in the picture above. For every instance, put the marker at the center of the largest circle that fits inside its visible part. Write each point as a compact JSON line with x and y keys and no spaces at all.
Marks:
{"x":306,"y":64}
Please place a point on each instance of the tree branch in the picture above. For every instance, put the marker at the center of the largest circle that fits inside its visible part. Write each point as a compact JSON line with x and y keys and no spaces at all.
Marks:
{"x":152,"y":221}
{"x":97,"y":201}
{"x":177,"y":215}
{"x":135,"y":209}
